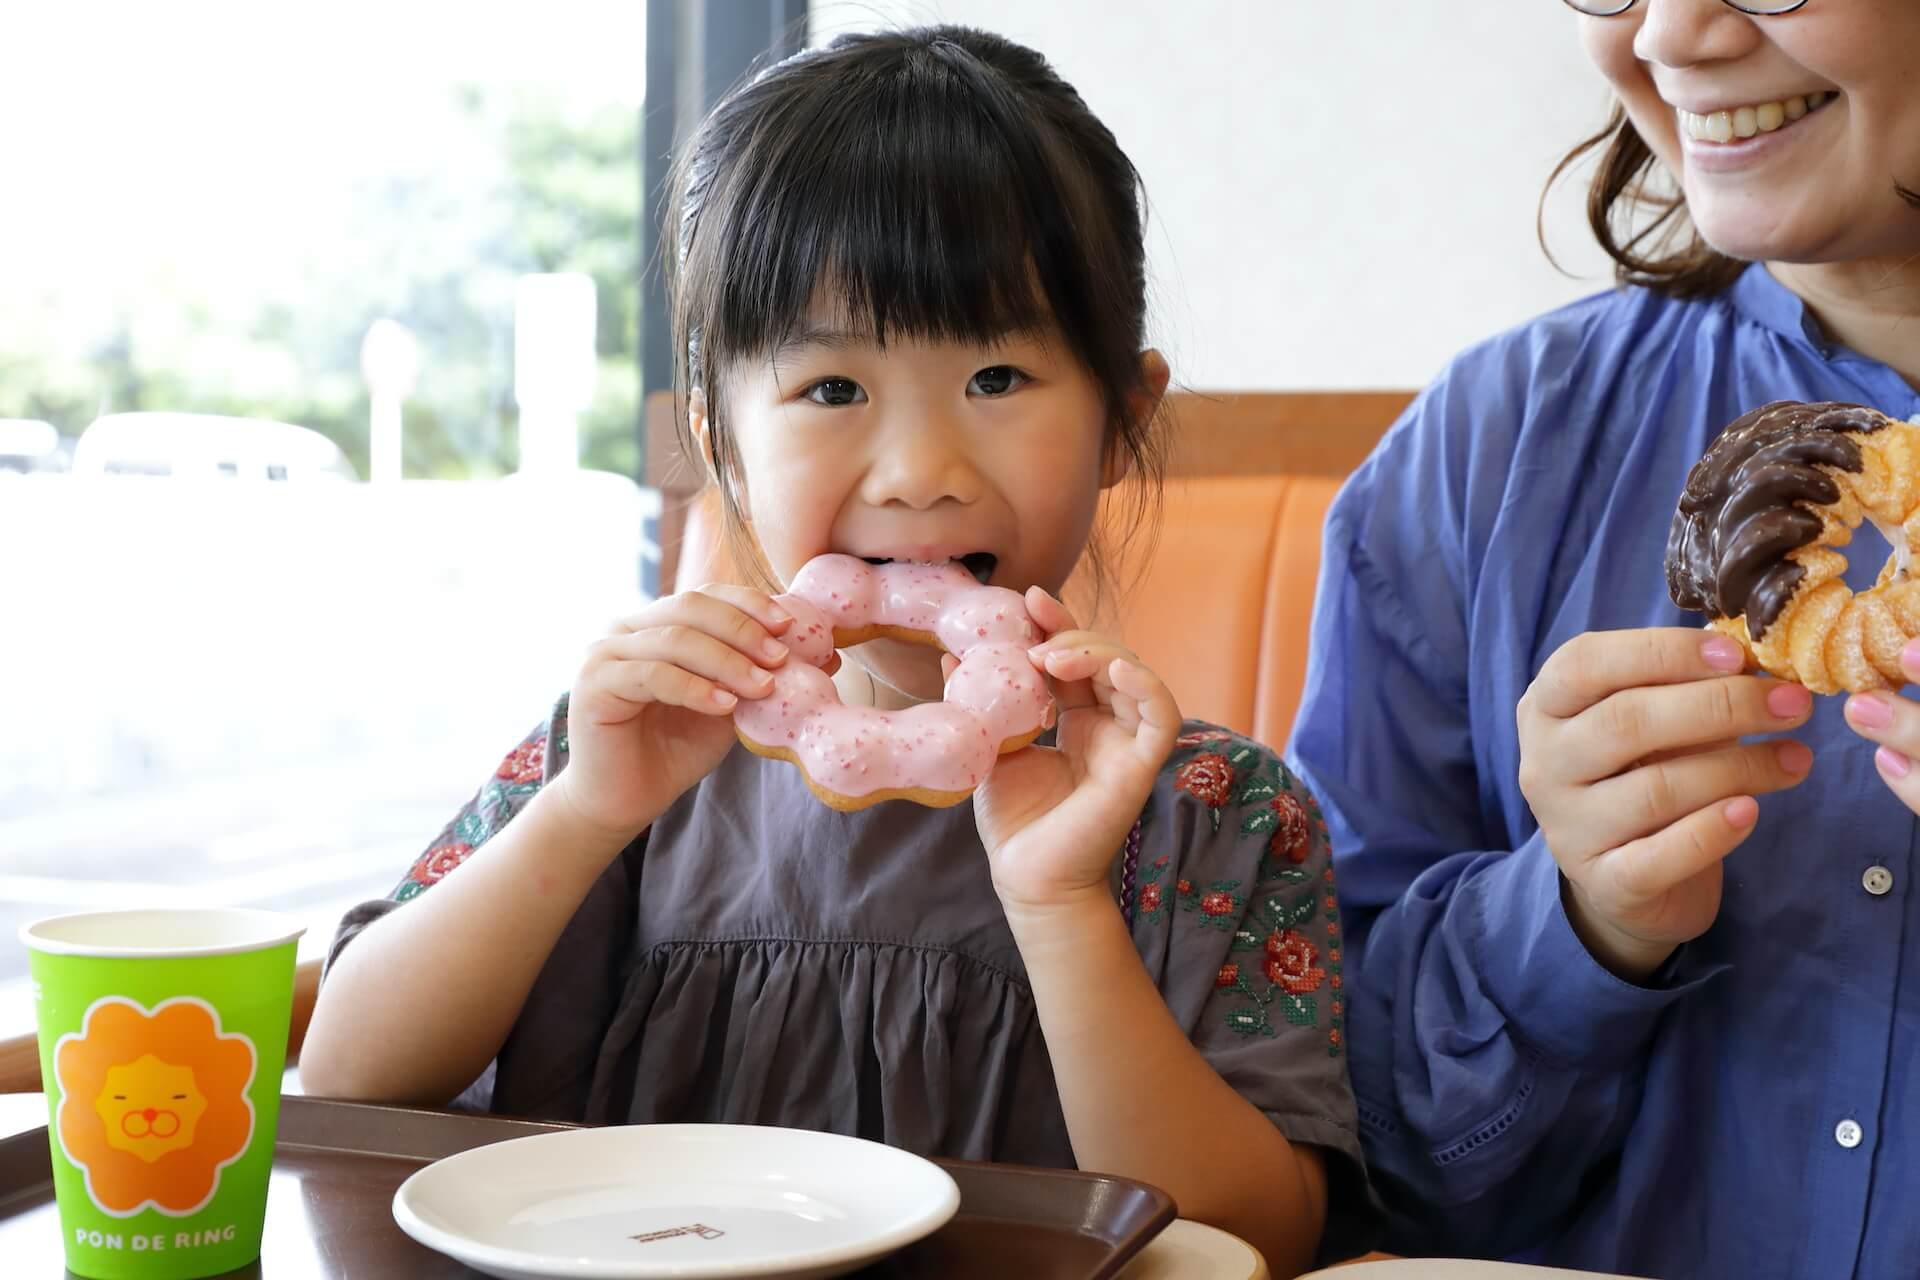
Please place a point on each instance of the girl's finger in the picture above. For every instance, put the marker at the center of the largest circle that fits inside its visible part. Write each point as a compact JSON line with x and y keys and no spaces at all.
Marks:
{"x":723,"y":619}
{"x":757,"y":605}
{"x":645,"y":680}
{"x":1159,"y":713}
{"x":1048,"y":613}
{"x":692,"y":651}
{"x":1072,"y":672}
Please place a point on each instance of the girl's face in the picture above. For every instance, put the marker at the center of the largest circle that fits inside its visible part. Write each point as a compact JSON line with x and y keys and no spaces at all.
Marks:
{"x":992,"y":456}
{"x":1825,"y":97}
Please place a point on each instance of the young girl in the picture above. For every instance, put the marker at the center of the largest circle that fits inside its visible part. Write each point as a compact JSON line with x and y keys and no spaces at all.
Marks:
{"x":909,"y":294}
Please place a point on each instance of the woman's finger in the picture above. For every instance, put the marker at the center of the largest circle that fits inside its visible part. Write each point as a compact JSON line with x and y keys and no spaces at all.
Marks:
{"x":1635,"y":724}
{"x":1646,"y":799}
{"x":1598,"y":664}
{"x":1894,"y":723}
{"x":1641,"y":870}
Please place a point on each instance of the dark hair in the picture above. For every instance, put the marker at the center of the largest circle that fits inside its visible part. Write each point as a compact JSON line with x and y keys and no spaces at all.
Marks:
{"x":947,"y":183}
{"x":1646,"y":231}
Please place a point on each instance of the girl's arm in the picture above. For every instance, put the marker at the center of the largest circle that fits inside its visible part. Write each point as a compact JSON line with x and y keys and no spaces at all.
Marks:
{"x":649,"y":716}
{"x":490,"y":927}
{"x":1140,"y":1100}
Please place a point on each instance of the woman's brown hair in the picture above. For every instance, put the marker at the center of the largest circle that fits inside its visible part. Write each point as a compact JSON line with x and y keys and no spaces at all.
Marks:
{"x":1643,"y":228}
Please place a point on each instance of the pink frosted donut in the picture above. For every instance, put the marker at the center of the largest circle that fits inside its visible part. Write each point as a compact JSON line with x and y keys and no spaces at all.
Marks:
{"x":933,"y":754}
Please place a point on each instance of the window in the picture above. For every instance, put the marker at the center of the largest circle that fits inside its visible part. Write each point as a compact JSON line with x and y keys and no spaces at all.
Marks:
{"x":319,"y":434}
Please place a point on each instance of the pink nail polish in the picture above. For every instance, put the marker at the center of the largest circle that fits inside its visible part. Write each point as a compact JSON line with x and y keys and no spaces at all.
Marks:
{"x":1722,"y":654}
{"x":1789,"y":701}
{"x":1867,"y":711}
{"x":1892,"y":763}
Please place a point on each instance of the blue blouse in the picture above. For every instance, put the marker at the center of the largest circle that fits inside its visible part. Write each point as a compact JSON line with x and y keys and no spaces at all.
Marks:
{"x":1755,"y":1109}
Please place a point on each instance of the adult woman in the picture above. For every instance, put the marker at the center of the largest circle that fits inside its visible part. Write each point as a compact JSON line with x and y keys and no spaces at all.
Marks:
{"x":1576,"y":1036}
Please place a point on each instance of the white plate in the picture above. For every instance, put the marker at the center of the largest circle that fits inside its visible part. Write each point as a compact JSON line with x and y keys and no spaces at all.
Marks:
{"x":640,"y":1202}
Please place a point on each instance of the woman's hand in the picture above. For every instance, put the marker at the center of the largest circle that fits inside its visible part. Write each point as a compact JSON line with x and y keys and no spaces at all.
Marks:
{"x":1631,"y":760}
{"x":1053,"y":819}
{"x":651,"y":711}
{"x":1894,"y":723}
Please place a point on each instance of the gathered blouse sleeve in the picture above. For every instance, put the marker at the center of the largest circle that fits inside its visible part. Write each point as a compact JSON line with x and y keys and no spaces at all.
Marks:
{"x":1228,"y":886}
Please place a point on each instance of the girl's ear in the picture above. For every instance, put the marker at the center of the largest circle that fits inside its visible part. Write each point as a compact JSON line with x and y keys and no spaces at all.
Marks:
{"x":702,"y":431}
{"x":1154,"y":376}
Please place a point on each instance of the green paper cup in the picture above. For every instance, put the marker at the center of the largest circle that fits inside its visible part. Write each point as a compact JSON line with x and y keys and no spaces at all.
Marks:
{"x":163,"y":1037}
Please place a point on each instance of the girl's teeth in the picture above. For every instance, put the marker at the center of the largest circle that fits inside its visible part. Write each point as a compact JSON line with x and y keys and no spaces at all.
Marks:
{"x":1745,"y":122}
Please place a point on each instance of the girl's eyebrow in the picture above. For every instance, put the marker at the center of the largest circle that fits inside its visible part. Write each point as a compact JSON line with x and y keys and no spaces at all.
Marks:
{"x":828,"y":338}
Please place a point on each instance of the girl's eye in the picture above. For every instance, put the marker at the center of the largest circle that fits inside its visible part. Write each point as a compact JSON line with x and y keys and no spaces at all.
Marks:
{"x":995,"y":381}
{"x":835,"y":392}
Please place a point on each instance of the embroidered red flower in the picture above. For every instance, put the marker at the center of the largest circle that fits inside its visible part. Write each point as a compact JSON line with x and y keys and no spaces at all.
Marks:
{"x":1228,"y":976}
{"x":526,"y":763}
{"x":1216,"y":904}
{"x":1293,"y":964}
{"x":1333,"y":955}
{"x":1207,"y":778}
{"x":1150,"y":897}
{"x":1183,"y":887}
{"x":1337,"y":1007}
{"x":1203,"y":735}
{"x":1291,"y":832}
{"x":436,"y":862}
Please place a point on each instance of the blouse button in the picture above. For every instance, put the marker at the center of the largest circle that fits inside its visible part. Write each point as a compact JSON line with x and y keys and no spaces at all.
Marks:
{"x":1876,"y":881}
{"x":1848,"y":1134}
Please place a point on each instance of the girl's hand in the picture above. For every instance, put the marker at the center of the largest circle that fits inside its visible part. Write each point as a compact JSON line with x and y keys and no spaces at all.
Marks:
{"x":651,"y":711}
{"x":1894,"y":723}
{"x":1053,"y":819}
{"x":1631,"y":761}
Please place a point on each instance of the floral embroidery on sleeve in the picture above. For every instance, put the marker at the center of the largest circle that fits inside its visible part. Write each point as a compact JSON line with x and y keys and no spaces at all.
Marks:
{"x":513,"y":782}
{"x":1276,"y":973}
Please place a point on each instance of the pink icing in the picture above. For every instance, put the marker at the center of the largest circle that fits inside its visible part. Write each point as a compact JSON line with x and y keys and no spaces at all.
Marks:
{"x":994,"y":695}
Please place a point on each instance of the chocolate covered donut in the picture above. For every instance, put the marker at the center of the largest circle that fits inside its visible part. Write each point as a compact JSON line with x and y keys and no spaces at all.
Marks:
{"x":1753,"y":541}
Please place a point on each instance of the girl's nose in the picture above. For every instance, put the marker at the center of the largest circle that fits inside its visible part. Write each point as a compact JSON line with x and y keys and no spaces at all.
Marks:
{"x":919,"y":466}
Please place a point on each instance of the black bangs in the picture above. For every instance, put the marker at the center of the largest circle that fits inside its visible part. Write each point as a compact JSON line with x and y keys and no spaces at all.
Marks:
{"x":914,"y":195}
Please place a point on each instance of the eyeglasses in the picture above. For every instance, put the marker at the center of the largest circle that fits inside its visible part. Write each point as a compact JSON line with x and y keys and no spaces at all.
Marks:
{"x":1758,"y":8}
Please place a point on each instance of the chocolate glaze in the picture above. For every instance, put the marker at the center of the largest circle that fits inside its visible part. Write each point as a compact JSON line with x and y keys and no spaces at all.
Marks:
{"x":1748,"y":503}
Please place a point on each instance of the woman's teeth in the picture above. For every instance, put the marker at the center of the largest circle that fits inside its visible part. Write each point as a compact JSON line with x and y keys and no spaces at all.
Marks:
{"x":1744,"y":122}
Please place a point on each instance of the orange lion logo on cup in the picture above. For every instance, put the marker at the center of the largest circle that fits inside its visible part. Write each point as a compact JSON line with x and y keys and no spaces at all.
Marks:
{"x":153,"y":1103}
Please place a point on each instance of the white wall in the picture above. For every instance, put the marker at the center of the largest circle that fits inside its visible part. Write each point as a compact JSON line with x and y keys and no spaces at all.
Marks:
{"x":1342,"y":191}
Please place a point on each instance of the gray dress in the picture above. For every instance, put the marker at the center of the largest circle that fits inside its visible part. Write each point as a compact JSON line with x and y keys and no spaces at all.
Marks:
{"x":759,"y":958}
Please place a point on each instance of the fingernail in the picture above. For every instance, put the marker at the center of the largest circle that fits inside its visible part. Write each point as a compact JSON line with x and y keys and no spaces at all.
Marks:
{"x":1789,"y":701}
{"x":1722,"y":654}
{"x":1891,"y":762}
{"x":772,"y":650}
{"x":1866,"y":710}
{"x":1795,"y":757}
{"x":722,"y":699}
{"x":779,"y":615}
{"x":1741,"y":811}
{"x":1910,"y":660}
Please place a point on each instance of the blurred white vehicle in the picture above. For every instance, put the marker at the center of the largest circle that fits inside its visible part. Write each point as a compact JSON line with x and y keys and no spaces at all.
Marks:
{"x":28,"y":445}
{"x":207,"y":445}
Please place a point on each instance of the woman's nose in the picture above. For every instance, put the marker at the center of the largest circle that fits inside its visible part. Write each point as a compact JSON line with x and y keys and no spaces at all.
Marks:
{"x":1685,"y":33}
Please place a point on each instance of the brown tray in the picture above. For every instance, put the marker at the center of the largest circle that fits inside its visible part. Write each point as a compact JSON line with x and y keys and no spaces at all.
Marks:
{"x":337,"y":1165}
